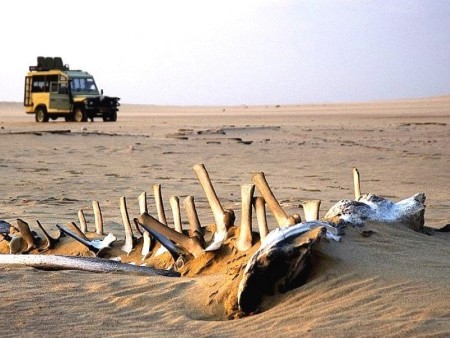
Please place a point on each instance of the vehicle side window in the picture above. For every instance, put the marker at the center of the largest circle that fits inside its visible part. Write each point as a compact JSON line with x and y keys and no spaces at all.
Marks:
{"x":38,"y":84}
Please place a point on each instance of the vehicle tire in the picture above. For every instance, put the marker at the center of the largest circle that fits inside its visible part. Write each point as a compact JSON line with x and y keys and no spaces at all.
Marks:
{"x":41,"y":115}
{"x":79,"y":115}
{"x":110,"y":117}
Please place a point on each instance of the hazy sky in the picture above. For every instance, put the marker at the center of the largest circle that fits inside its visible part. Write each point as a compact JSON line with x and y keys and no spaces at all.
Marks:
{"x":235,"y":51}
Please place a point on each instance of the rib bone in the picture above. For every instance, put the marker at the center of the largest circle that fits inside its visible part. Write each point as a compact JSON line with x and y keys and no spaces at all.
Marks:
{"x":223,"y":219}
{"x":175,"y":205}
{"x":143,"y":202}
{"x":356,"y":183}
{"x":25,"y":231}
{"x":159,"y":203}
{"x":16,"y":244}
{"x":98,"y":218}
{"x":281,"y":217}
{"x":72,"y":226}
{"x":145,"y":235}
{"x":191,"y":213}
{"x":83,"y":223}
{"x":96,"y":246}
{"x":260,"y":208}
{"x":129,"y":240}
{"x":244,"y":241}
{"x":51,"y":242}
{"x":311,"y":209}
{"x":190,"y":244}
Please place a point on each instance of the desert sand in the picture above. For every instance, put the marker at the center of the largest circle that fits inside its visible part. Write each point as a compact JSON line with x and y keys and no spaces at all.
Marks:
{"x":393,"y":283}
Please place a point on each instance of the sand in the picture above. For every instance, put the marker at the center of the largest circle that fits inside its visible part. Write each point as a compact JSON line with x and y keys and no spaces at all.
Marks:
{"x":393,"y":283}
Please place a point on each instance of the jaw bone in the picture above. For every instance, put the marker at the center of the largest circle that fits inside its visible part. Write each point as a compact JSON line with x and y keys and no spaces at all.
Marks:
{"x":25,"y":231}
{"x":194,"y":222}
{"x":244,"y":241}
{"x":283,"y":261}
{"x":82,"y":219}
{"x":175,"y":206}
{"x":260,"y":208}
{"x":282,"y":218}
{"x":223,"y":218}
{"x":190,"y":244}
{"x":311,"y":209}
{"x":96,"y":246}
{"x":98,"y":218}
{"x":51,"y":242}
{"x":129,"y":238}
{"x":356,"y":183}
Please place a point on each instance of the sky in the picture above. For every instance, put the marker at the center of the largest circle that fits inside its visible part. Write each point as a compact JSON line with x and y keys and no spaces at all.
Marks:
{"x":235,"y":52}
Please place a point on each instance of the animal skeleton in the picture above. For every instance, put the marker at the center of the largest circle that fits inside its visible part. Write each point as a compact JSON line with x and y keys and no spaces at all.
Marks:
{"x":282,"y":256}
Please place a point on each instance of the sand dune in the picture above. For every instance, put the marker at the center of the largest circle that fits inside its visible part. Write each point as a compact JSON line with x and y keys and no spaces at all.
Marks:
{"x":393,"y":283}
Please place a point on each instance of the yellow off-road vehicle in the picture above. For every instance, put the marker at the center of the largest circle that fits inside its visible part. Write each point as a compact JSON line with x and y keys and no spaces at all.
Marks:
{"x":53,"y":90}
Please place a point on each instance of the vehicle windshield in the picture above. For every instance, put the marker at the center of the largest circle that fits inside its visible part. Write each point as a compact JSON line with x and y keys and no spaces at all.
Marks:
{"x":83,"y":85}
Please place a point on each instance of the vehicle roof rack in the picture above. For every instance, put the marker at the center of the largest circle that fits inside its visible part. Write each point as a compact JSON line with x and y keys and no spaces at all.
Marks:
{"x":49,"y":63}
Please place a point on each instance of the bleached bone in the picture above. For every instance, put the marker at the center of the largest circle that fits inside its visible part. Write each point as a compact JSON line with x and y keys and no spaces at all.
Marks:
{"x":96,"y":246}
{"x":159,"y":203}
{"x":25,"y":231}
{"x":281,"y":217}
{"x":143,"y":202}
{"x":244,"y":241}
{"x":147,"y":241}
{"x":51,"y":242}
{"x":98,"y":217}
{"x":190,"y":244}
{"x":223,"y":218}
{"x":91,"y":264}
{"x":175,"y":205}
{"x":145,"y":252}
{"x":311,"y":209}
{"x":191,"y":213}
{"x":129,"y":238}
{"x":77,"y":231}
{"x":260,"y":208}
{"x":356,"y":183}
{"x":82,"y":219}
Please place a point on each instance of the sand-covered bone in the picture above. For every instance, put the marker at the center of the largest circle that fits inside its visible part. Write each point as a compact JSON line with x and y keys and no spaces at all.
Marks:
{"x":282,"y":263}
{"x":28,"y":237}
{"x":51,"y":242}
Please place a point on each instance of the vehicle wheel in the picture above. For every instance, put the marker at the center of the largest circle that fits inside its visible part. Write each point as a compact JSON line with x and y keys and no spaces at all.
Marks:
{"x":41,"y":115}
{"x":110,"y":117}
{"x":79,"y":115}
